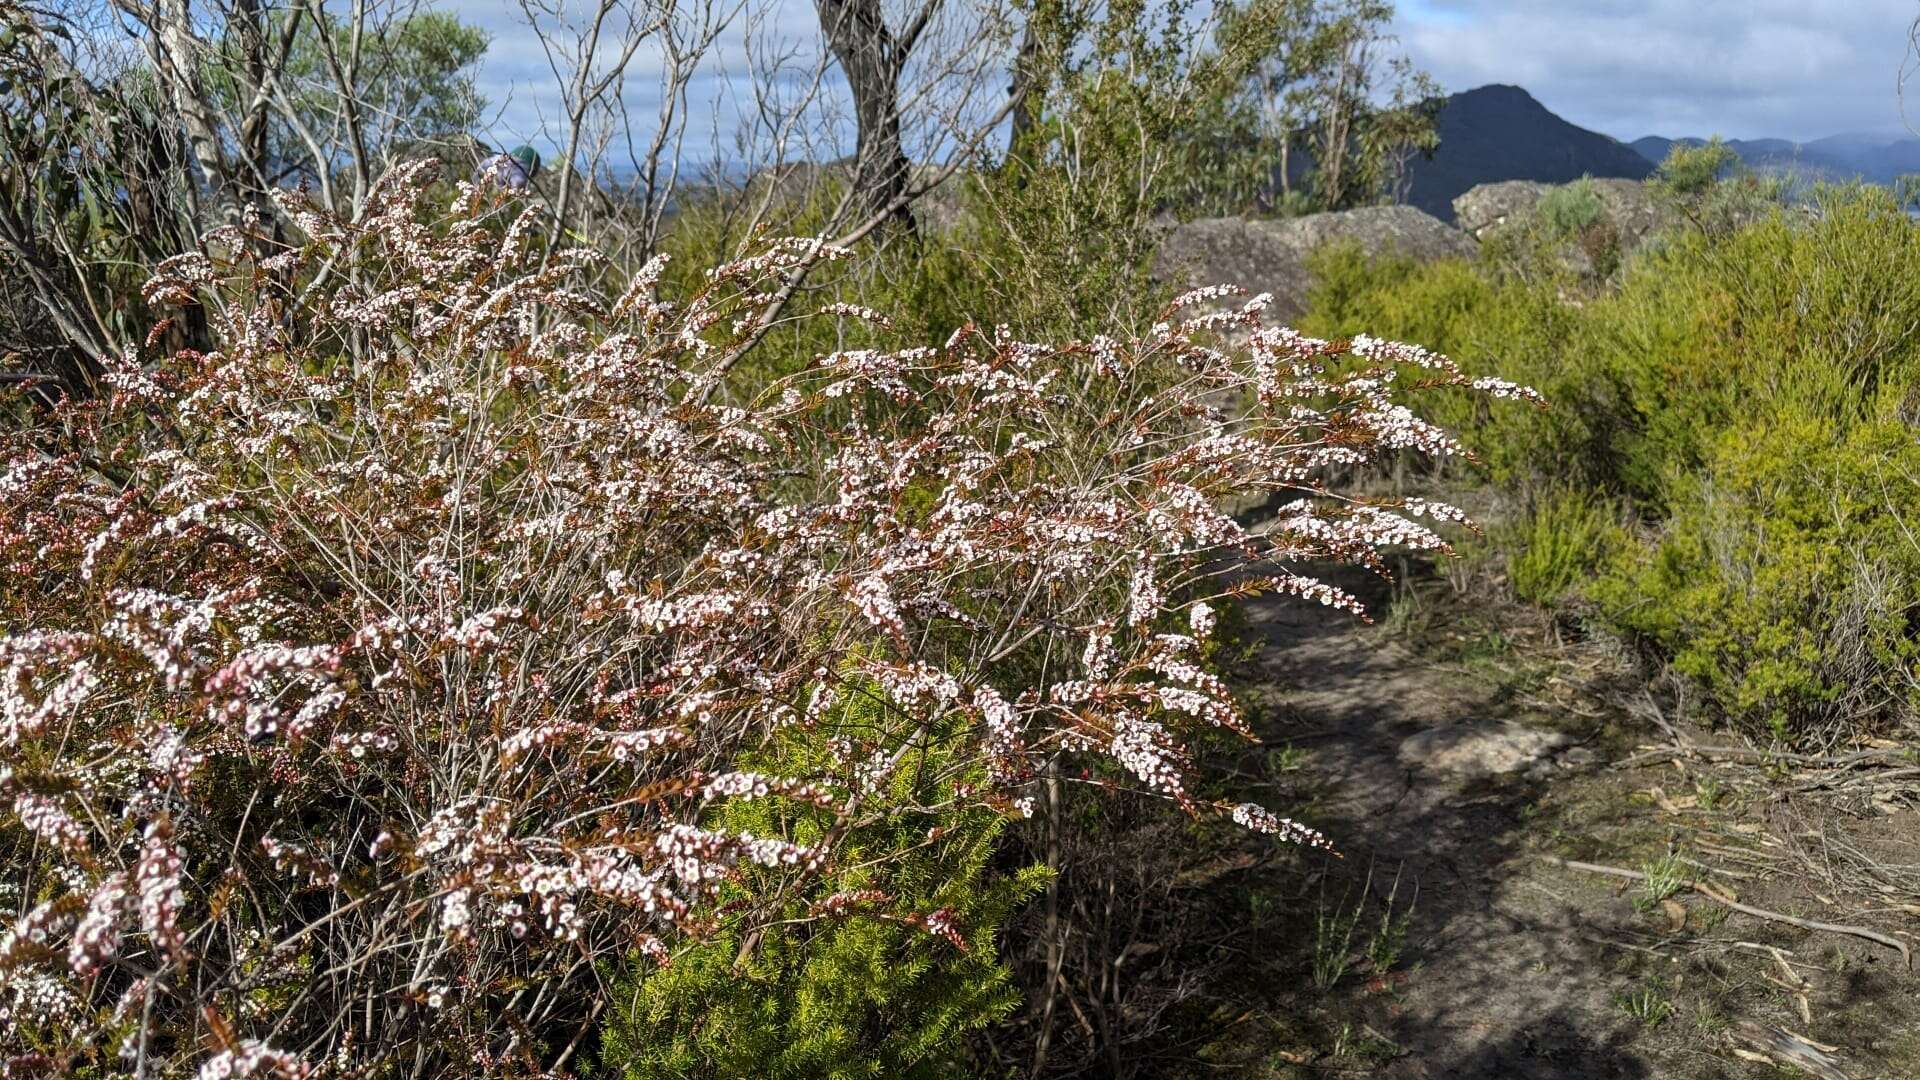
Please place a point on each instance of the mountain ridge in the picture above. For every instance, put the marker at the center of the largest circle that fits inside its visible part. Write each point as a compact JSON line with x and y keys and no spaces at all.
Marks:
{"x":1874,"y":158}
{"x":1501,"y":132}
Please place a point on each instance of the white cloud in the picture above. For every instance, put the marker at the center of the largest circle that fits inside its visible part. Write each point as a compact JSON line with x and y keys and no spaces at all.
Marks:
{"x":518,"y":79}
{"x":955,"y":84}
{"x":1795,"y":69}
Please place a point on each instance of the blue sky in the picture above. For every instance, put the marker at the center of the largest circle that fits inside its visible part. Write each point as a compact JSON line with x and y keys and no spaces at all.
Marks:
{"x":1796,"y":69}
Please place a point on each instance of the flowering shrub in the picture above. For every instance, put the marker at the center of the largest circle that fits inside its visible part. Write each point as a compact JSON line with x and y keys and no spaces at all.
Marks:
{"x":371,"y":680}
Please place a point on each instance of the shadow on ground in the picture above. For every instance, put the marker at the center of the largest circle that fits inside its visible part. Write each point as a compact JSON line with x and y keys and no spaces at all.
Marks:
{"x":1497,"y":975}
{"x":1440,"y":943}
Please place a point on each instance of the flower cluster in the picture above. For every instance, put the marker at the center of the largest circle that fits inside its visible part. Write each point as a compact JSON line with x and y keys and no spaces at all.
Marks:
{"x":254,"y":1059}
{"x":372,"y":680}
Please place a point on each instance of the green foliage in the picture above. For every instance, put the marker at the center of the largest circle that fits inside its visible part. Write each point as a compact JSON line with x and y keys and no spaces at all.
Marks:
{"x":1648,"y":1004}
{"x":1748,"y":393}
{"x":414,"y":76}
{"x":423,"y":68}
{"x":872,"y":994}
{"x":1786,"y":579}
{"x":1560,"y":543}
{"x":1390,"y":937}
{"x":1811,"y":316}
{"x":1570,"y":234}
{"x":1569,"y":209}
{"x":1713,"y":189}
{"x":1440,"y":303}
{"x":1333,"y":941}
{"x":1338,"y":115}
{"x":1133,"y":116}
{"x":1694,"y":170}
{"x":1493,"y":325}
{"x":95,"y":192}
{"x":1665,"y":876}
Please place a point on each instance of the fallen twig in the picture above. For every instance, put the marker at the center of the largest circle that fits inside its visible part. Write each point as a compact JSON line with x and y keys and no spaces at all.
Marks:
{"x":1748,"y":753}
{"x":1718,"y":897}
{"x":1836,"y":781}
{"x":1778,"y":1046}
{"x":1738,"y":875}
{"x":1747,"y":855}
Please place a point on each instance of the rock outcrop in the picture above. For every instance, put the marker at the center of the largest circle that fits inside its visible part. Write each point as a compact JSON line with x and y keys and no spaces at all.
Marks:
{"x":1628,"y":204}
{"x":1482,"y":209}
{"x":1271,"y":255}
{"x":1635,"y":214}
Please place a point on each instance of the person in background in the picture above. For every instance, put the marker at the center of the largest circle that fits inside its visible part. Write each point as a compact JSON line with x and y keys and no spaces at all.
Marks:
{"x":513,"y":170}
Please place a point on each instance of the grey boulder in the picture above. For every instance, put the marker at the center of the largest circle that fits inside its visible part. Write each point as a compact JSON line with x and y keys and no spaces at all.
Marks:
{"x":1270,"y":256}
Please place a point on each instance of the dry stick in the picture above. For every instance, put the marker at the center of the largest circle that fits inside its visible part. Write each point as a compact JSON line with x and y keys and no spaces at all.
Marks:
{"x":1695,"y":750}
{"x":1905,"y":951}
{"x":1835,"y":781}
{"x":1778,"y":1046}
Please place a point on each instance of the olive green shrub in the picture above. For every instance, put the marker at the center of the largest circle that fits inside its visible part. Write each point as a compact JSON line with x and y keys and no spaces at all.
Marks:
{"x":1748,"y":393}
{"x":1786,"y":578}
{"x":814,"y":996}
{"x":1559,"y":543}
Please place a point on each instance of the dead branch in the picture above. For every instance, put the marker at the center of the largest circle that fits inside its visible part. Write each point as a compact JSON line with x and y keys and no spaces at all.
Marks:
{"x":1778,"y":1046}
{"x":1746,"y":753}
{"x":1905,"y":951}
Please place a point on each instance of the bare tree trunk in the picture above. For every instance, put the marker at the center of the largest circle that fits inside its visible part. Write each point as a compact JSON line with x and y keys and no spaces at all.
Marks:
{"x":345,"y":72}
{"x":251,"y":25}
{"x":1043,"y":1037}
{"x":589,"y":85}
{"x":175,"y":55}
{"x":1026,"y":76}
{"x":1333,"y":144}
{"x":872,"y":57}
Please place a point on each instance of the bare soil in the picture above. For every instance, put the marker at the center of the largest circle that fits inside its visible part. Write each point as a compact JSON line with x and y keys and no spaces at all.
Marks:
{"x":1449,"y":945}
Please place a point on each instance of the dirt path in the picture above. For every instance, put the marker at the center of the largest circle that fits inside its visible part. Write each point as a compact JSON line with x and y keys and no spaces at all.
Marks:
{"x":1513,"y":967}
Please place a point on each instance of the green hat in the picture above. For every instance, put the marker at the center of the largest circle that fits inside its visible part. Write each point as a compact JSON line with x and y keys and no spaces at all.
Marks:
{"x":528,"y":158}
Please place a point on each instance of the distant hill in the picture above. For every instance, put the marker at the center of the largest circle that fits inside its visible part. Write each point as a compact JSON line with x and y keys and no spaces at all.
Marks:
{"x":1877,"y":159}
{"x":1655,"y":148}
{"x":1501,"y":133}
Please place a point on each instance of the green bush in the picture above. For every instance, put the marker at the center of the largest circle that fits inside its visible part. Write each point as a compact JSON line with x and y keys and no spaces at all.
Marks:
{"x":1713,"y":190}
{"x":1573,"y":233}
{"x":1803,"y":315}
{"x":1570,"y":208}
{"x":1787,"y":578}
{"x":1561,"y":542}
{"x":1492,"y":325}
{"x":1747,"y":393}
{"x":870,"y":994}
{"x":1695,"y":170}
